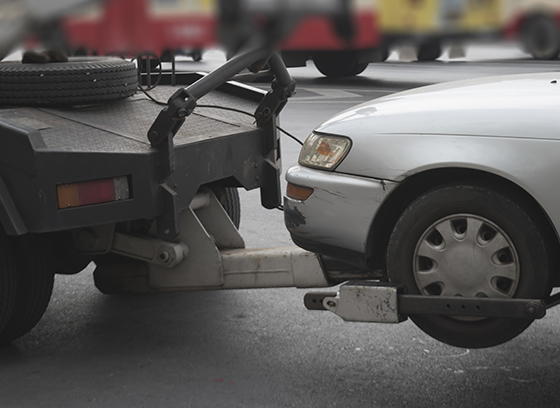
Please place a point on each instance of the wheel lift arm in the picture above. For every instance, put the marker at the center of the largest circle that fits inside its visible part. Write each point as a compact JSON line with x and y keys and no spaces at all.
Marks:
{"x":379,"y":302}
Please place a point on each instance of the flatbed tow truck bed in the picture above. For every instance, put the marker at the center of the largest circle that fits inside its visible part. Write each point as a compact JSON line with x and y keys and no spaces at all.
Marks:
{"x":57,"y":146}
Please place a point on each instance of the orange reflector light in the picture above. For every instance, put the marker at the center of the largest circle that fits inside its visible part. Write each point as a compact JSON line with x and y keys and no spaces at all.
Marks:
{"x":298,"y":192}
{"x":92,"y":192}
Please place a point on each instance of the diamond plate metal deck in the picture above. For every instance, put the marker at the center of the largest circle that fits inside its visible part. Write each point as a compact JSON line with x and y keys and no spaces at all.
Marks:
{"x":122,"y":126}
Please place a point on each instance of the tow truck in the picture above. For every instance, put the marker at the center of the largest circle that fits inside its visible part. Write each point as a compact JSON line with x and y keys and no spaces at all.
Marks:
{"x":149,"y":193}
{"x":92,"y":171}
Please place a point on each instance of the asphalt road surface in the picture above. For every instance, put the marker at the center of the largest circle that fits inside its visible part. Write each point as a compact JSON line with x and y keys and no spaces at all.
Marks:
{"x":262,"y":348}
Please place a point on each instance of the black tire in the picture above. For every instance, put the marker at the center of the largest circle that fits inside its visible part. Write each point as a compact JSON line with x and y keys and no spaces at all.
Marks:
{"x":541,"y":38}
{"x":81,"y":81}
{"x":359,"y":68}
{"x":485,"y":230}
{"x":167,"y":56}
{"x":8,"y":281}
{"x":385,"y":53}
{"x":34,"y":263}
{"x":196,"y":55}
{"x":429,"y":51}
{"x":336,"y":64}
{"x":229,"y":198}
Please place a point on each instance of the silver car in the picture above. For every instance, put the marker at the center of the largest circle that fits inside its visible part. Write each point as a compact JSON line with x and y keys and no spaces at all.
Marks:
{"x":451,"y":189}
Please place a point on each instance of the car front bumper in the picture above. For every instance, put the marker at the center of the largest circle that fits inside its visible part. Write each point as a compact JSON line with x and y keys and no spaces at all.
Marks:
{"x":338,"y":214}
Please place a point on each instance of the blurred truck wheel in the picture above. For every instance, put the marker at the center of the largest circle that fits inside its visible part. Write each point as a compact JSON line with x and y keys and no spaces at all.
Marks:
{"x":540,"y":38}
{"x":336,"y":64}
{"x":429,"y":51}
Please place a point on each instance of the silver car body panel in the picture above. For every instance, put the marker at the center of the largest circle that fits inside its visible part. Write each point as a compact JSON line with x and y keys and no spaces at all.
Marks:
{"x":343,"y":203}
{"x":508,"y":126}
{"x":514,"y":106}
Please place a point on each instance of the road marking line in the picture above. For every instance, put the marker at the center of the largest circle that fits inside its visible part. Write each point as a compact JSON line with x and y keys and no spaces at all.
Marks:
{"x":325,"y":93}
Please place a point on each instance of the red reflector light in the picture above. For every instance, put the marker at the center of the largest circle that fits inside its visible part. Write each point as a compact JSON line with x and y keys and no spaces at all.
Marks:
{"x":92,"y":192}
{"x":298,"y":192}
{"x":95,"y":192}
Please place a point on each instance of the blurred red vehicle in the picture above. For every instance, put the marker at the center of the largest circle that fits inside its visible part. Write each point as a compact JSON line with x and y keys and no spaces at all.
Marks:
{"x":165,"y":27}
{"x":143,"y":26}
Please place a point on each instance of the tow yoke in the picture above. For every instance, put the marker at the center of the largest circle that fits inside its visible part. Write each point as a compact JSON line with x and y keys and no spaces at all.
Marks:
{"x":380,"y":302}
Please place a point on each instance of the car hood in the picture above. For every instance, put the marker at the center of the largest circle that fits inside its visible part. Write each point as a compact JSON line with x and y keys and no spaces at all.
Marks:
{"x":516,"y":106}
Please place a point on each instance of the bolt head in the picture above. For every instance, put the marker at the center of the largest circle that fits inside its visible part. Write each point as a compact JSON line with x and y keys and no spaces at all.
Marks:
{"x":153,"y":135}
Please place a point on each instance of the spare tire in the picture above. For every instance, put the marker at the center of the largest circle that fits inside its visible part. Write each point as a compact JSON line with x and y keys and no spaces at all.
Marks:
{"x":80,"y":81}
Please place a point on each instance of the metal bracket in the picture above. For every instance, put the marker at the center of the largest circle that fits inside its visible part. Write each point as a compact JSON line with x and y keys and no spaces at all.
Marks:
{"x":283,"y":87}
{"x":96,"y":239}
{"x":168,"y":122}
{"x":180,"y":105}
{"x":366,"y":301}
{"x":150,"y":250}
{"x":168,"y":226}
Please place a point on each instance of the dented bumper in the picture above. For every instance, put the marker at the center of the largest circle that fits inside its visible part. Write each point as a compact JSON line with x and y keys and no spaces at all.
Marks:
{"x":339,"y":212}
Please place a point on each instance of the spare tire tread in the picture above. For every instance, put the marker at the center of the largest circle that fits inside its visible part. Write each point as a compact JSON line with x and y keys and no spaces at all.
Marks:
{"x":82,"y":80}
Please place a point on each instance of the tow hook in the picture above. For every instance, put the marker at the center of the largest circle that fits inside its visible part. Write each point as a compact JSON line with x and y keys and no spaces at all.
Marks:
{"x":381,"y":302}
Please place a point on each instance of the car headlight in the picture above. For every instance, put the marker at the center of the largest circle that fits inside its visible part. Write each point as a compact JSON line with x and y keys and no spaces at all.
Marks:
{"x":324,"y":151}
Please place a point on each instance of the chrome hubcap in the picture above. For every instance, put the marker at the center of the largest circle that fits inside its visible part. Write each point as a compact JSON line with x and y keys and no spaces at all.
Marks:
{"x":466,"y":255}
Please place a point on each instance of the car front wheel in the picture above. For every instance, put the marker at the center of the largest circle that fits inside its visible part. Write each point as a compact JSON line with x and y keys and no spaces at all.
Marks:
{"x":470,"y":240}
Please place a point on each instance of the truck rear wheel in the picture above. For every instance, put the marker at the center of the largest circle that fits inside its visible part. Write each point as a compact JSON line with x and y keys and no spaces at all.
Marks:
{"x":7,"y":281}
{"x":229,"y":198}
{"x":34,"y":265}
{"x":80,"y":81}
